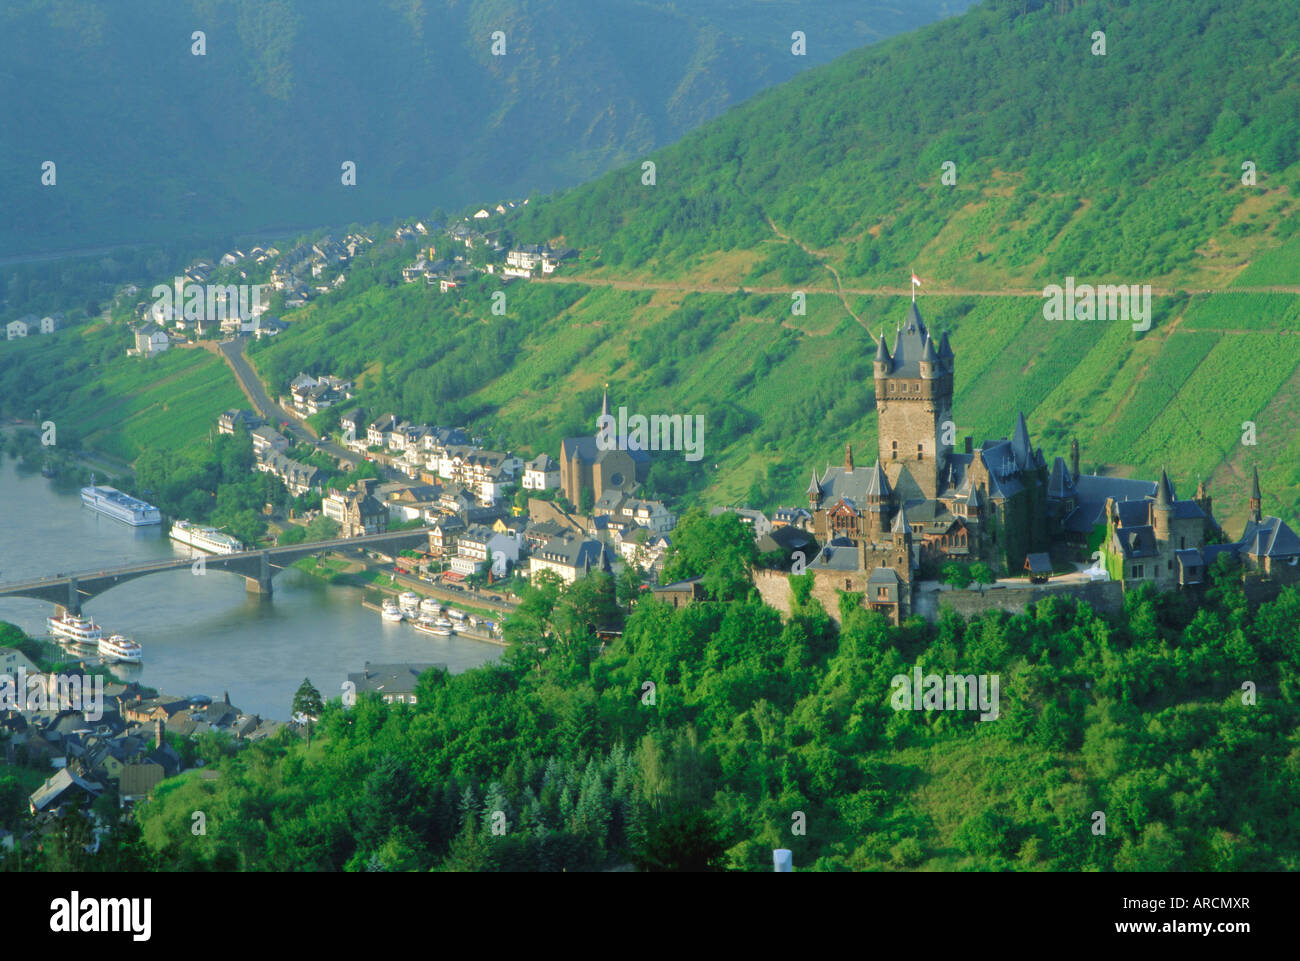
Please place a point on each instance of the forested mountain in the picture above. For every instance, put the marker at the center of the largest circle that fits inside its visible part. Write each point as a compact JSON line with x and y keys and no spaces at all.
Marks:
{"x":152,"y":142}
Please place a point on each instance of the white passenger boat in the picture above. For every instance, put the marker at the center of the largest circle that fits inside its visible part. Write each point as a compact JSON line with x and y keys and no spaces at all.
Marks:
{"x":430,"y":606}
{"x":390,"y":611}
{"x":205,"y":538}
{"x":120,"y":649}
{"x":75,"y":629}
{"x":408,"y":601}
{"x":429,"y":625}
{"x":455,"y":615}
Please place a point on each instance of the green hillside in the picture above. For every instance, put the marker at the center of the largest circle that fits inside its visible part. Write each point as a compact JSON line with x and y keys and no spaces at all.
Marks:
{"x":1147,"y":140}
{"x":1123,"y":168}
{"x":154,"y":143}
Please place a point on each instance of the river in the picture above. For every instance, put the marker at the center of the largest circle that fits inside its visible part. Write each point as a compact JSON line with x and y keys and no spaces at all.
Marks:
{"x":203,"y":634}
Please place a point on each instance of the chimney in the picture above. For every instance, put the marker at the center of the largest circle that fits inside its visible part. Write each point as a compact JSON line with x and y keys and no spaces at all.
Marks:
{"x":1074,"y":458}
{"x":970,"y":444}
{"x":158,"y":731}
{"x":848,"y":459}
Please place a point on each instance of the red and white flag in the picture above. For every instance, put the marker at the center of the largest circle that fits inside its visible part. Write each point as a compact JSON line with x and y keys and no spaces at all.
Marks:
{"x":916,"y":281}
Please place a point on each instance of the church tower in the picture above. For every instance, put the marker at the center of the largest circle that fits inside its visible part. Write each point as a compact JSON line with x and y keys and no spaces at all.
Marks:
{"x":913,"y":403}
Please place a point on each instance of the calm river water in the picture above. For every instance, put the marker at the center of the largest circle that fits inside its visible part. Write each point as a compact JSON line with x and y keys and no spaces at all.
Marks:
{"x":203,"y":635}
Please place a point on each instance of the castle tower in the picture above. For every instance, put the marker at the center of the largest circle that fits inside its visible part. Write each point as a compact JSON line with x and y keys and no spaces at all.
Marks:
{"x":877,"y":508}
{"x":1162,"y":511}
{"x":914,"y":385}
{"x":902,"y":535}
{"x":814,"y":492}
{"x":1256,"y":500}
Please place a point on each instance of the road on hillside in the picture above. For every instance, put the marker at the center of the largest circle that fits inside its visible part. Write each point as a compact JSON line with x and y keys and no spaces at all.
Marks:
{"x":233,"y":352}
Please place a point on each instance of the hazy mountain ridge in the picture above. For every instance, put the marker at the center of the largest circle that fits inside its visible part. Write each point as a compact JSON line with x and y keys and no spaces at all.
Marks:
{"x":152,"y":142}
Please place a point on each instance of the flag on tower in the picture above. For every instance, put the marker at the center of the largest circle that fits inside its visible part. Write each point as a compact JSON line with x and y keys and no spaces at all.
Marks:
{"x":916,"y":282}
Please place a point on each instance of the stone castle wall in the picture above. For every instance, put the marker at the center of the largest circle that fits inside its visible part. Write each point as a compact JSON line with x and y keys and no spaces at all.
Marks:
{"x":1108,"y":596}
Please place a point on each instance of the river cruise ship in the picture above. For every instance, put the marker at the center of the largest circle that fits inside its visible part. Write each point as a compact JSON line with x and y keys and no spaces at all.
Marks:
{"x":205,"y":538}
{"x":119,"y":506}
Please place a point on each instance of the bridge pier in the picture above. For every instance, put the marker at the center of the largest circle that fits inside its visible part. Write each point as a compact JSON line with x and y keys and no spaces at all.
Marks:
{"x":74,"y":597}
{"x":261,"y":584}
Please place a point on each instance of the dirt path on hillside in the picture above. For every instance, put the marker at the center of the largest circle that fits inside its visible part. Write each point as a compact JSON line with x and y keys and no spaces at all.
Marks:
{"x":820,"y":257}
{"x":874,"y":291}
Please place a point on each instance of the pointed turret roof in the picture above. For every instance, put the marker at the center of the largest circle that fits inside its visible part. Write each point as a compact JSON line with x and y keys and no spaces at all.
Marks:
{"x":909,"y":345}
{"x":901,"y":526}
{"x":882,"y":352}
{"x":813,"y":486}
{"x":1020,"y":445}
{"x":928,"y":354}
{"x":1164,"y":492}
{"x":1254,"y":487}
{"x":877,"y":482}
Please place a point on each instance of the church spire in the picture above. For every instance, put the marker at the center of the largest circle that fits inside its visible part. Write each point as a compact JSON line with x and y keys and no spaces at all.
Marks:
{"x":604,"y":404}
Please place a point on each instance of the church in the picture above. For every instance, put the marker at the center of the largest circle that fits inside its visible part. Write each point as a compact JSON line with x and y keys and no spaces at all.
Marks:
{"x":924,"y":501}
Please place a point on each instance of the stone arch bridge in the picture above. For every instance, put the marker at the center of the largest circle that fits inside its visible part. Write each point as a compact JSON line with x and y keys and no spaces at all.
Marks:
{"x":257,"y":567}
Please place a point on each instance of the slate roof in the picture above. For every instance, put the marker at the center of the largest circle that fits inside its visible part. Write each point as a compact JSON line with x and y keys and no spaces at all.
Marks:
{"x":909,"y":345}
{"x":1038,"y":563}
{"x":1137,"y":542}
{"x":1271,"y":537}
{"x":853,"y":486}
{"x":390,"y":678}
{"x":838,"y":555}
{"x":1092,"y":491}
{"x":1061,"y":483}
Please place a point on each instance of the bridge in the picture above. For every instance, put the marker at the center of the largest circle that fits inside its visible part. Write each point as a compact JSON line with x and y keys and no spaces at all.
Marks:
{"x":257,"y":567}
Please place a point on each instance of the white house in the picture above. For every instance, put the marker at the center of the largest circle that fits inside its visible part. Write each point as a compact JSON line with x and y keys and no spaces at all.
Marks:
{"x":541,"y":473}
{"x":15,"y":329}
{"x":49,"y":325}
{"x":149,"y":340}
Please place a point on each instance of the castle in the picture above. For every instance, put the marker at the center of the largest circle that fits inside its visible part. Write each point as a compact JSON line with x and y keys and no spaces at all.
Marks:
{"x":924,"y":502}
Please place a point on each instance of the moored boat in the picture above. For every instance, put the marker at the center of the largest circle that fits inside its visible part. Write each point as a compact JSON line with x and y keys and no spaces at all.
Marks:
{"x":430,"y":606}
{"x":408,"y":601}
{"x":390,"y":610}
{"x":429,"y":625}
{"x":122,"y":507}
{"x":205,"y":538}
{"x":75,"y":628}
{"x":120,"y":649}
